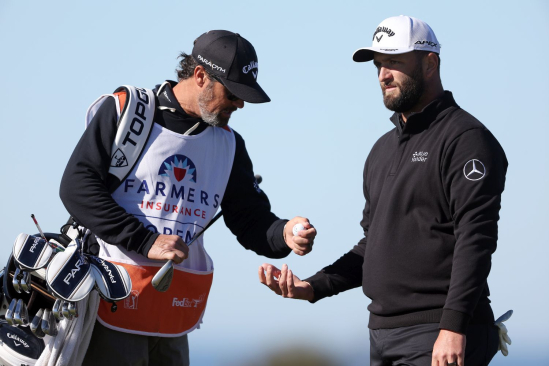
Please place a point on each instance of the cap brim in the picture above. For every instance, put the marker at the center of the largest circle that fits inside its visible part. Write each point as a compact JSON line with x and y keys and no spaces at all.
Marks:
{"x":250,"y":94}
{"x":367,"y":53}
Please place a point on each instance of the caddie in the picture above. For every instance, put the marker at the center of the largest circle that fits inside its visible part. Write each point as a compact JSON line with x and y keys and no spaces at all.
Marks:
{"x":149,"y":173}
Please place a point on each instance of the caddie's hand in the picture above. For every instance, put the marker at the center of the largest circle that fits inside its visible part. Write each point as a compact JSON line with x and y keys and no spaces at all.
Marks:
{"x":302,"y":243}
{"x":449,"y":349}
{"x":284,"y":282}
{"x":504,"y":339}
{"x":169,"y":247}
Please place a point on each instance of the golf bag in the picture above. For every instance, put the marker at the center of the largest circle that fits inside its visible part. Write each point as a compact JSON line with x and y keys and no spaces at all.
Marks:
{"x":18,"y":345}
{"x":29,"y":290}
{"x":43,"y":280}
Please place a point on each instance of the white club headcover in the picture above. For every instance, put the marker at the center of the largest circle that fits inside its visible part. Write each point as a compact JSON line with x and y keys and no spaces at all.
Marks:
{"x":504,"y":339}
{"x":31,"y":252}
{"x":69,"y":275}
{"x":111,"y":280}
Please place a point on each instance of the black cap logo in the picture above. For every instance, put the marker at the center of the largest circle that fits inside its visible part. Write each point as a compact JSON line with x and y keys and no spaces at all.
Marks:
{"x":253,"y":65}
{"x":234,"y":62}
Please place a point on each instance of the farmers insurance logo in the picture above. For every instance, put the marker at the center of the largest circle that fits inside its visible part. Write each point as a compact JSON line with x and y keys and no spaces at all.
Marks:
{"x":179,"y":167}
{"x":474,"y":170}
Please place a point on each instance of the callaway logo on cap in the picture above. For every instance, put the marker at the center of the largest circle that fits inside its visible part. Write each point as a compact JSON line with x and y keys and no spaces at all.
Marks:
{"x":397,"y":35}
{"x":232,"y":59}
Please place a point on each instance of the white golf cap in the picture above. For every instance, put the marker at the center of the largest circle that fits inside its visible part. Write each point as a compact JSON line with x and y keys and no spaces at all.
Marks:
{"x":397,"y":35}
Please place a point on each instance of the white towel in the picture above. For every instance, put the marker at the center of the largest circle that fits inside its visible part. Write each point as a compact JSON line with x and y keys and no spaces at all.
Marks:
{"x":71,"y":343}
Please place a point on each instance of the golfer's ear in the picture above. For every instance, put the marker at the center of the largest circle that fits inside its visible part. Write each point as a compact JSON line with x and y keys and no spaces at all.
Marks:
{"x":430,"y":64}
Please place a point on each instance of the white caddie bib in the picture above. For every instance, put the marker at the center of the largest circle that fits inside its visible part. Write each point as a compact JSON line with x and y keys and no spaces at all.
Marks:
{"x":176,"y":188}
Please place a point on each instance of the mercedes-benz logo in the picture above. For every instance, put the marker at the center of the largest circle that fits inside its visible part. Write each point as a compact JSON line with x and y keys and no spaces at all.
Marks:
{"x":474,"y":170}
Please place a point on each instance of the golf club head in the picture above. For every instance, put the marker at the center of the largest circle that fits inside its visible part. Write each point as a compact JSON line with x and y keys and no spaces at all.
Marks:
{"x":73,"y":310}
{"x":112,"y":281}
{"x":65,"y":311}
{"x":56,"y":309}
{"x":16,"y":279}
{"x":53,"y":326}
{"x":163,"y":278}
{"x":69,"y":275}
{"x":17,"y":313}
{"x":21,"y":314}
{"x":25,"y":314}
{"x":25,"y":282}
{"x":35,"y":325}
{"x":10,"y":311}
{"x":48,"y":324}
{"x":31,"y":252}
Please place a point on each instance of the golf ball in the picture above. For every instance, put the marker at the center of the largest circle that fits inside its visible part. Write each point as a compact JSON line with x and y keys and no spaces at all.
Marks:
{"x":297,"y":228}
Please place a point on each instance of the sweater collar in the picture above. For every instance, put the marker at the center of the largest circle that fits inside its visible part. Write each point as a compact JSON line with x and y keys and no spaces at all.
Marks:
{"x":166,"y":97}
{"x":173,"y":116}
{"x":421,"y":120}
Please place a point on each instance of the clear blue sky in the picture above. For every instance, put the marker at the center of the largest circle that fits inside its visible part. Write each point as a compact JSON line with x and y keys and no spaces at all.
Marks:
{"x":59,"y":56}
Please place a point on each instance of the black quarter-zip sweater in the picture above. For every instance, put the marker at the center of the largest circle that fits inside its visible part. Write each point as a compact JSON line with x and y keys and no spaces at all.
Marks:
{"x":433,"y":191}
{"x":85,"y":187}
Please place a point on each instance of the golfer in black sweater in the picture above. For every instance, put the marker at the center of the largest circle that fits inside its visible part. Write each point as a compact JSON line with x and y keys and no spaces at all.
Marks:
{"x":433,"y":188}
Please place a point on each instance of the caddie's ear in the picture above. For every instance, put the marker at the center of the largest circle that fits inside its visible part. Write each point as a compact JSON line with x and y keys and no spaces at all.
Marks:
{"x":200,"y":76}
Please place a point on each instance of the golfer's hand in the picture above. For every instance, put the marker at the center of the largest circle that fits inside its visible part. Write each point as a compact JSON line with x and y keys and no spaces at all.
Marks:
{"x":302,"y":243}
{"x":284,"y":282}
{"x":449,"y":347}
{"x":169,"y":247}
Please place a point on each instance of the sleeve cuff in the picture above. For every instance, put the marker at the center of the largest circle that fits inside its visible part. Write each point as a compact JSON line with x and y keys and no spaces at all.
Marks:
{"x":148,"y":244}
{"x":455,"y":321}
{"x":275,"y":235}
{"x":321,"y":286}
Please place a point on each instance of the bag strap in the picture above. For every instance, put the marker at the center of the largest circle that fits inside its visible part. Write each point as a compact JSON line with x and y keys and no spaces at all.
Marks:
{"x":135,"y":111}
{"x":133,"y":131}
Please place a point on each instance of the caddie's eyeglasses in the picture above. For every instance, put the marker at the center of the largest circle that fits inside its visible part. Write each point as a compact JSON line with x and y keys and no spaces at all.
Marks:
{"x":228,"y":94}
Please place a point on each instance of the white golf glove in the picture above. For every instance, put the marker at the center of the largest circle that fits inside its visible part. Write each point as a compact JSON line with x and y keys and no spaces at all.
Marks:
{"x":504,"y":339}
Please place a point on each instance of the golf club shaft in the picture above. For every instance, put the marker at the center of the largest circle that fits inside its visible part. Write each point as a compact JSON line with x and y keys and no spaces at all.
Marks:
{"x":39,"y":229}
{"x":162,"y":280}
{"x":217,"y":216}
{"x":170,"y":262}
{"x":54,"y":246}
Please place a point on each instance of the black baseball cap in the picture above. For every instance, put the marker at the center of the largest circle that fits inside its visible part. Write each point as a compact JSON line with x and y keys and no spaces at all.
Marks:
{"x":233,"y":61}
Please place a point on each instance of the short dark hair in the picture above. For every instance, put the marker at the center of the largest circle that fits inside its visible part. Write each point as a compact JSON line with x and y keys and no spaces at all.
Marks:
{"x":187,"y":66}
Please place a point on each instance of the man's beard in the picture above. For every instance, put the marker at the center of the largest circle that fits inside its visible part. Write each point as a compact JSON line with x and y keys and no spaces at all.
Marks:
{"x":411,"y":90}
{"x":211,"y":118}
